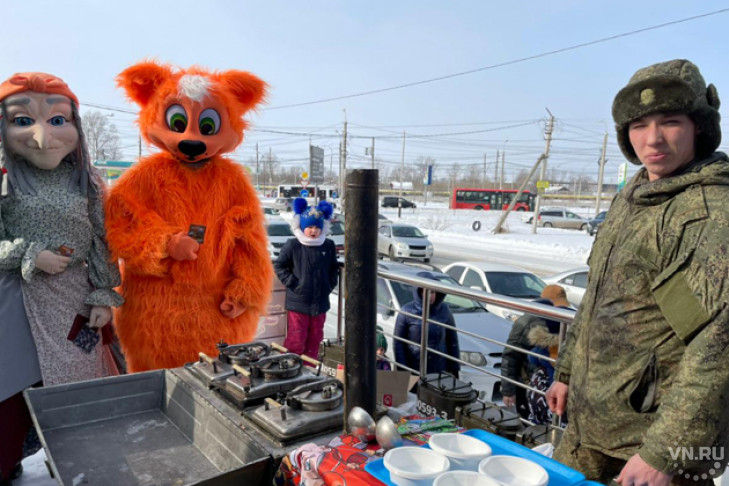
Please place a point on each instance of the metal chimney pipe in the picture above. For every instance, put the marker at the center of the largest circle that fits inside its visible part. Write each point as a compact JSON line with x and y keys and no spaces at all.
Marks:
{"x":360,"y":264}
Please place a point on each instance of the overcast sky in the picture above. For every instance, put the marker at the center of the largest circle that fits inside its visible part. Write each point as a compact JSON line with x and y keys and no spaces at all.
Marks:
{"x":314,"y":50}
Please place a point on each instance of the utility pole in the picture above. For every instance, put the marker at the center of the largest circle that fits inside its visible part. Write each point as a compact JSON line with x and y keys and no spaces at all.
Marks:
{"x":343,"y":162}
{"x":600,"y":175}
{"x":270,"y":168}
{"x":140,"y":147}
{"x":258,"y":187}
{"x":503,"y":158}
{"x":496,"y":168}
{"x":402,"y":169}
{"x":542,"y":175}
{"x":372,"y":152}
{"x":484,"y":171}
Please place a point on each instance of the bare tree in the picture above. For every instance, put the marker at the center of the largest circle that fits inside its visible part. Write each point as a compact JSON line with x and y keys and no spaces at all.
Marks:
{"x":102,"y":137}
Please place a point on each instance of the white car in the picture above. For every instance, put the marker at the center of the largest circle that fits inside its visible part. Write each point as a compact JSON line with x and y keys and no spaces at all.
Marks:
{"x":279,"y":232}
{"x":336,"y":234}
{"x":470,"y":316}
{"x":497,"y":278}
{"x":400,"y":241}
{"x":574,"y":283}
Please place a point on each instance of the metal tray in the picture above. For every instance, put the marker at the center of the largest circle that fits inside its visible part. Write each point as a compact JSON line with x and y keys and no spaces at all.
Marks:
{"x":142,"y":429}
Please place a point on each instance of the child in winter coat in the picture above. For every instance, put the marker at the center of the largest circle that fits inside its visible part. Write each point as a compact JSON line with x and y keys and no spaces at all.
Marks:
{"x":439,"y":338}
{"x":307,"y":266}
{"x":381,"y":348}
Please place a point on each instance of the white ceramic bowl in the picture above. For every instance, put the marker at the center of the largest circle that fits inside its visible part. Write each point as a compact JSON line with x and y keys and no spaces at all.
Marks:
{"x":513,"y":471}
{"x":464,"y":478}
{"x":463,"y":451}
{"x":414,"y":466}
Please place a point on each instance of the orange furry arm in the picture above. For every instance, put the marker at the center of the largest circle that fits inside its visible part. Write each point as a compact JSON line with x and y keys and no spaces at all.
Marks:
{"x":252,"y":277}
{"x":136,"y":234}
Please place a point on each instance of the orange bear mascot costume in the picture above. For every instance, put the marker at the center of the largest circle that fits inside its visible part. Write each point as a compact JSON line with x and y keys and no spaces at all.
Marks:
{"x":186,"y":222}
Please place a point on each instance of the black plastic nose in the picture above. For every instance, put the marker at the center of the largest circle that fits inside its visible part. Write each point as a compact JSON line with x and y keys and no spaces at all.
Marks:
{"x":192,"y":148}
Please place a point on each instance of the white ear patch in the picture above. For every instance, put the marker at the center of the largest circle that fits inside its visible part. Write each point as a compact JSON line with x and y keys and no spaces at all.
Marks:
{"x":193,"y":86}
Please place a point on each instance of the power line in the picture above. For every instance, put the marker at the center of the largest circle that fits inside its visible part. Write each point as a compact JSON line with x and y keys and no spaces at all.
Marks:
{"x":502,"y":64}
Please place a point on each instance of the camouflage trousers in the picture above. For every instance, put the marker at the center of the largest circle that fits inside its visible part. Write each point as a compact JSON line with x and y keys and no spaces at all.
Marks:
{"x":600,"y":467}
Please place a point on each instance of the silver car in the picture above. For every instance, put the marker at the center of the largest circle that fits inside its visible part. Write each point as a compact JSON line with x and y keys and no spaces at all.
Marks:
{"x":279,"y":232}
{"x":560,"y":218}
{"x":400,"y":241}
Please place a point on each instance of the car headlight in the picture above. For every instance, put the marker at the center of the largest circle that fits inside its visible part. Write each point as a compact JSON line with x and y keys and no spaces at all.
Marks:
{"x":473,"y":357}
{"x":512,"y":315}
{"x":401,"y":246}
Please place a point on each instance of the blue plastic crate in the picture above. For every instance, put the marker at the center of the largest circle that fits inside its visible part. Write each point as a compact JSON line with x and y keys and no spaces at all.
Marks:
{"x":559,"y":474}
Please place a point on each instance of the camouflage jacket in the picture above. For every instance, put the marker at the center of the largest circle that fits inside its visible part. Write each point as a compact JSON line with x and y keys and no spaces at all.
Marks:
{"x":647,"y":358}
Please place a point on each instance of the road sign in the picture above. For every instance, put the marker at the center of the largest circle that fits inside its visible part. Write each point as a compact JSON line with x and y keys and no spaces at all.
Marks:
{"x":542,"y":184}
{"x":304,"y":176}
{"x":622,"y":175}
{"x":304,"y":193}
{"x":316,"y":164}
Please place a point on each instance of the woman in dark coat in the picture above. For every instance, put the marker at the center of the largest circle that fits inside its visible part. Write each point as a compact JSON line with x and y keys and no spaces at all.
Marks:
{"x":439,"y":338}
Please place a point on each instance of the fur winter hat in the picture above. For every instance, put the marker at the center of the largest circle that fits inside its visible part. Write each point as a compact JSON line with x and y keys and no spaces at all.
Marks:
{"x":669,"y":87}
{"x":556,"y":294}
{"x":312,"y":216}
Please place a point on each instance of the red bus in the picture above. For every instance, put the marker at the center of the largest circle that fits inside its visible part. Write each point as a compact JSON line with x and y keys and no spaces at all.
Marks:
{"x":498,"y":199}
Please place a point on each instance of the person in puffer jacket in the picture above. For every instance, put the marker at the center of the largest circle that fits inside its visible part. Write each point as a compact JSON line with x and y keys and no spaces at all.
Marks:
{"x":439,"y":338}
{"x":308,"y":267}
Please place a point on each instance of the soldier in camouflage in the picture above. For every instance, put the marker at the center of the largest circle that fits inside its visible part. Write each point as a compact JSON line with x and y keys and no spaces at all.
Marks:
{"x":644,"y":371}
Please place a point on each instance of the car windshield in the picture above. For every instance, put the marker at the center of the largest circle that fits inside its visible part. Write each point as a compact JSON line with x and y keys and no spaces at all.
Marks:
{"x":336,"y":229}
{"x":279,"y":230}
{"x":515,"y":284}
{"x":407,"y":232}
{"x":457,"y":304}
{"x":268,"y":210}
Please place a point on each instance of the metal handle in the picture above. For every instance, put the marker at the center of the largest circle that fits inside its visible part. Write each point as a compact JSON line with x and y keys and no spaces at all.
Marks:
{"x":242,"y":371}
{"x":205,"y":357}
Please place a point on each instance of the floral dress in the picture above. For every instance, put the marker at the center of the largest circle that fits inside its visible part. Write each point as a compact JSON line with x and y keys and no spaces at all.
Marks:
{"x":56,"y":215}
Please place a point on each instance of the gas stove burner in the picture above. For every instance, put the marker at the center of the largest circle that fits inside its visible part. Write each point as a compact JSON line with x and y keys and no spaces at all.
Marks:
{"x":209,"y":370}
{"x":243,"y":354}
{"x":316,"y":397}
{"x":277,"y":367}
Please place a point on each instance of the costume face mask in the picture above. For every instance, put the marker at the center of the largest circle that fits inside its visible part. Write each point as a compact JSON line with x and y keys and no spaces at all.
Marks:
{"x":40,"y":128}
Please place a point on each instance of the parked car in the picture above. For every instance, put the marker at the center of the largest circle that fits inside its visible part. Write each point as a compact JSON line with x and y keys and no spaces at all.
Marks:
{"x":279,"y":232}
{"x":381,"y":218}
{"x":392,"y":202}
{"x":283,"y":204}
{"x":399,"y":241}
{"x":470,"y":316}
{"x":336,"y":234}
{"x":574,"y":282}
{"x":596,"y":222}
{"x":497,"y":278}
{"x":559,"y":218}
{"x":271,"y":212}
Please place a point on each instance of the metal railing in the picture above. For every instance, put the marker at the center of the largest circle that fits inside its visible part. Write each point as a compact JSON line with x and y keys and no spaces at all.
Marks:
{"x":564,"y":316}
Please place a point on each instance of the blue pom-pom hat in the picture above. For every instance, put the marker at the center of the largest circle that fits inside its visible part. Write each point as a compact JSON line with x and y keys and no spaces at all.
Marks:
{"x":312,"y":216}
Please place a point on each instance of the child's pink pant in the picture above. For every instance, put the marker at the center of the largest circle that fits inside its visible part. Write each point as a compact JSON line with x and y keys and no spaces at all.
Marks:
{"x":304,"y":333}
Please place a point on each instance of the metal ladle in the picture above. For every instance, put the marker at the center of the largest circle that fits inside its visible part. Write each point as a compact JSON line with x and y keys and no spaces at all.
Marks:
{"x":361,"y":424}
{"x":386,"y":434}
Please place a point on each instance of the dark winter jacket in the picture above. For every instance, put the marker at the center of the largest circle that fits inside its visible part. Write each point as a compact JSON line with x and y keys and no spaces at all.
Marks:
{"x":514,"y":364}
{"x":439,"y":338}
{"x":543,"y":340}
{"x":309,"y":273}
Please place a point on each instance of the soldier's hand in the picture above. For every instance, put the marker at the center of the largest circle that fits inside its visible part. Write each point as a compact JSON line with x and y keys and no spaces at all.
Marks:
{"x":557,"y":397}
{"x":510,"y":401}
{"x":637,"y":472}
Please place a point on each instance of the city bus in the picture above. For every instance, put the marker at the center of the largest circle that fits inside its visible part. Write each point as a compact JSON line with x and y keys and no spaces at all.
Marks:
{"x":498,"y":199}
{"x":326,"y":192}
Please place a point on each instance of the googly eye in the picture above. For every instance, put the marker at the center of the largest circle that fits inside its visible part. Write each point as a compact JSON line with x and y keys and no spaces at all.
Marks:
{"x":209,"y":122}
{"x":176,"y":118}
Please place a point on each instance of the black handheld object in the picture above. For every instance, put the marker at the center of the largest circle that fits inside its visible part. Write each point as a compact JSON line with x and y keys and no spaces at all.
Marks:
{"x":82,"y":335}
